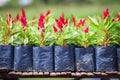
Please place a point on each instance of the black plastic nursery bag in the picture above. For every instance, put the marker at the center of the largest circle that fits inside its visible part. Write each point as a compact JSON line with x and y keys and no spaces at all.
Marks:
{"x":118,"y":58}
{"x":64,"y":58}
{"x":43,"y":59}
{"x":23,"y":58}
{"x":106,"y":58}
{"x":85,"y":59}
{"x":6,"y":57}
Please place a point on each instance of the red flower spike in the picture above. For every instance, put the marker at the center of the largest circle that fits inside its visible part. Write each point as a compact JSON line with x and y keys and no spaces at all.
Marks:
{"x":118,"y":16}
{"x":79,"y":23}
{"x":43,"y":30}
{"x":83,"y":22}
{"x":41,"y":21}
{"x":105,"y":13}
{"x":47,"y":13}
{"x":9,"y":15}
{"x":55,"y":29}
{"x":66,"y":22}
{"x":62,"y":18}
{"x":59,"y":24}
{"x":23,"y":12}
{"x":7,"y":22}
{"x":86,"y":29}
{"x":74,"y":20}
{"x":23,"y":18}
{"x":23,"y":21}
{"x":16,"y":19}
{"x":113,"y":20}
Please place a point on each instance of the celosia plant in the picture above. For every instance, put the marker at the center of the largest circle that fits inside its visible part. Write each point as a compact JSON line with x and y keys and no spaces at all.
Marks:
{"x":63,"y":32}
{"x":101,"y":30}
{"x":6,"y":28}
{"x":40,"y":31}
{"x":85,"y":37}
{"x":105,"y":28}
{"x":20,"y":35}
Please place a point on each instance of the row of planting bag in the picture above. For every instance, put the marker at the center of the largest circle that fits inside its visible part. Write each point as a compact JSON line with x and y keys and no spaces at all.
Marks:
{"x":59,"y":58}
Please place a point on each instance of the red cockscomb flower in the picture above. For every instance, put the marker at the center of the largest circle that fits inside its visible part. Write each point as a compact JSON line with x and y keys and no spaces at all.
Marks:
{"x":41,"y":21}
{"x":9,"y":19}
{"x":74,"y":20}
{"x":23,"y":18}
{"x":63,"y":20}
{"x":81,"y":22}
{"x":47,"y":13}
{"x":113,"y":20}
{"x":86,"y":29}
{"x":47,"y":16}
{"x":105,"y":13}
{"x":55,"y":29}
{"x":118,"y":16}
{"x":9,"y":15}
{"x":16,"y":19}
{"x":7,"y":22}
{"x":59,"y":24}
{"x":23,"y":21}
{"x":23,"y":12}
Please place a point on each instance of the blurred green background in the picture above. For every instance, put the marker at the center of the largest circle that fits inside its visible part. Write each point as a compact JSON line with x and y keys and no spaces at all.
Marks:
{"x":79,"y":8}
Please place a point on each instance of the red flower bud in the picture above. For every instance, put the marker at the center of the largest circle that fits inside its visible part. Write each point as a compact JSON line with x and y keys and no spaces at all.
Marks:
{"x":7,"y":22}
{"x":59,"y":24}
{"x":55,"y":29}
{"x":105,"y":13}
{"x":74,"y":20}
{"x":23,"y":12}
{"x":47,"y":13}
{"x":81,"y":23}
{"x":118,"y":16}
{"x":86,"y":29}
{"x":16,"y":19}
{"x":23,"y":18}
{"x":113,"y":20}
{"x":9,"y":15}
{"x":41,"y":21}
{"x":23,"y":21}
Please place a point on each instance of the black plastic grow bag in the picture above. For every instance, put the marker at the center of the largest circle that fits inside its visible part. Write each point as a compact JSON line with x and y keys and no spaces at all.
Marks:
{"x":6,"y":57}
{"x":23,"y":58}
{"x":84,"y":58}
{"x":43,"y":59}
{"x":64,"y":58}
{"x":106,"y":58}
{"x":118,"y":58}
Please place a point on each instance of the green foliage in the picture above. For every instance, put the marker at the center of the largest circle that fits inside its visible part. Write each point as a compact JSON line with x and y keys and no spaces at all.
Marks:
{"x":106,"y":31}
{"x":95,"y":31}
